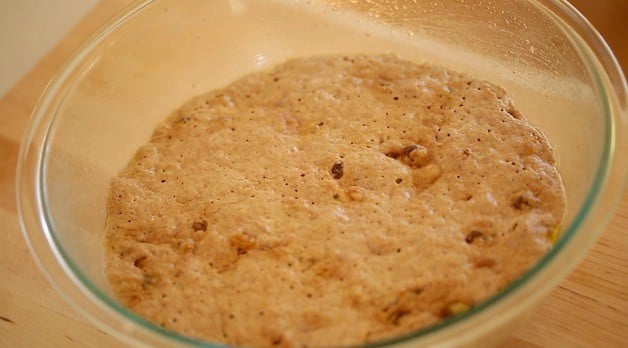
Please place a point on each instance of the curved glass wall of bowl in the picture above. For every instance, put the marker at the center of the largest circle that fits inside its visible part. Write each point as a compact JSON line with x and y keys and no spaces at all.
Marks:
{"x":156,"y":54}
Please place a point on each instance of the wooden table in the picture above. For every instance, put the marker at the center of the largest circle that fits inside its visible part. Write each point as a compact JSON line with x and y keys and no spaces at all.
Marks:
{"x":590,"y":308}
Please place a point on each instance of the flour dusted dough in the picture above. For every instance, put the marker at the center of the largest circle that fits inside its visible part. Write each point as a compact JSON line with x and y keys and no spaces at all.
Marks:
{"x":331,"y":201}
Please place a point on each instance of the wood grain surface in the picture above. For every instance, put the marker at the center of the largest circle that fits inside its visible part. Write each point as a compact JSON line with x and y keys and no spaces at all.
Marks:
{"x":588,"y":309}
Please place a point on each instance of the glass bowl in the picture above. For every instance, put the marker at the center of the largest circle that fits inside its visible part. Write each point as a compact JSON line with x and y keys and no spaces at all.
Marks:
{"x":144,"y":63}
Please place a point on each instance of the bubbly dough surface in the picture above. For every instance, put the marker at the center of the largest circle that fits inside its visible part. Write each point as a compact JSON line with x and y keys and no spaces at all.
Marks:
{"x":331,"y":201}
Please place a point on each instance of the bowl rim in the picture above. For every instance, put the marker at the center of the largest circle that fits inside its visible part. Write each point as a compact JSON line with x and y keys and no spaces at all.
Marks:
{"x":47,"y":227}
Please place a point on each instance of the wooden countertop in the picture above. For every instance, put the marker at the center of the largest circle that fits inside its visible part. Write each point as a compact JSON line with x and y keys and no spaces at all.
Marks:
{"x":589,"y":308}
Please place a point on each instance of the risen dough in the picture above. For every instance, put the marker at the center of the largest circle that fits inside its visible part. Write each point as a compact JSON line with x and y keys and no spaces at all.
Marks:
{"x":331,"y":201}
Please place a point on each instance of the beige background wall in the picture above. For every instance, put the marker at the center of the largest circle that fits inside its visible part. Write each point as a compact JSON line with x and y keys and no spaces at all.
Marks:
{"x":29,"y":28}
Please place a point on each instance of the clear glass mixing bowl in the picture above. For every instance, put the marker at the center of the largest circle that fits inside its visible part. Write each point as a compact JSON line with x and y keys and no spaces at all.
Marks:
{"x":144,"y":63}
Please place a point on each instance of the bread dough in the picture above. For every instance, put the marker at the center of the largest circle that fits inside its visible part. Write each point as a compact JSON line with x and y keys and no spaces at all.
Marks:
{"x":331,"y":201}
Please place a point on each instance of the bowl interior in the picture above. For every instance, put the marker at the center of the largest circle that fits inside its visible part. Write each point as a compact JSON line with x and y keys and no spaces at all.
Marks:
{"x":128,"y":81}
